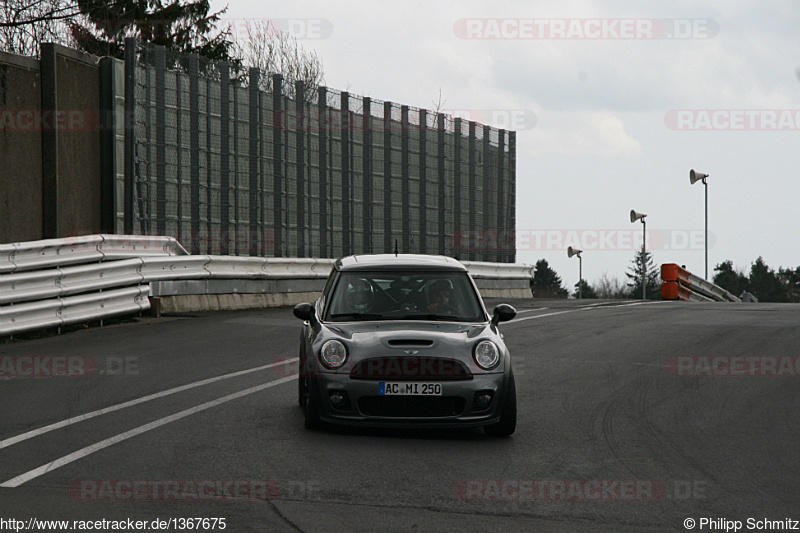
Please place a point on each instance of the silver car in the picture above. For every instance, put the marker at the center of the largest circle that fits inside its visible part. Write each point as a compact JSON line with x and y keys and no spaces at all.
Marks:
{"x":405,"y":341}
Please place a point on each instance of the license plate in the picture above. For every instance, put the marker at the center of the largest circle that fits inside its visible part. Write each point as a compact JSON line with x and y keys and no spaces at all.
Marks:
{"x":409,"y":388}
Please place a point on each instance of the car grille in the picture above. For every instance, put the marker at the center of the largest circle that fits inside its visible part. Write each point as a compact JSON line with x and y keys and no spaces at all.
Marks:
{"x":404,"y":343}
{"x":411,"y":406}
{"x":411,"y":368}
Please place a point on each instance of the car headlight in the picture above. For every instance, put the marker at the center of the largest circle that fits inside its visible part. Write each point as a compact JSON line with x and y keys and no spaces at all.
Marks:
{"x":333,"y":354}
{"x":486,"y":355}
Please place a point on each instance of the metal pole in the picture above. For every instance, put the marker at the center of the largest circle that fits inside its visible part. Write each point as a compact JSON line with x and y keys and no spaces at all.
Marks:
{"x":130,"y":132}
{"x":580,"y":277}
{"x":644,"y":265}
{"x":705,"y":186}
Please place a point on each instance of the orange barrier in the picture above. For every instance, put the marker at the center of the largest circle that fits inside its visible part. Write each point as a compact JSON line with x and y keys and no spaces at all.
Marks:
{"x":676,"y":284}
{"x":673,"y":272}
{"x":672,"y":290}
{"x":680,"y":284}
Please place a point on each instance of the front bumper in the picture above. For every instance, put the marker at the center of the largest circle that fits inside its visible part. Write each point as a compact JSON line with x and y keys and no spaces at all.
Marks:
{"x":456,"y":407}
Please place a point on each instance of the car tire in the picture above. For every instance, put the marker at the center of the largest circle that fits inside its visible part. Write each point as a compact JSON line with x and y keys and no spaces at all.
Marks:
{"x":301,"y":391}
{"x":301,"y":385}
{"x":508,"y":416}
{"x":310,"y":405}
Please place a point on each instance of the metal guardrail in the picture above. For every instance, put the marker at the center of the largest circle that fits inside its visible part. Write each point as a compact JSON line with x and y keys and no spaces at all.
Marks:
{"x":73,"y":309}
{"x":479,"y":270}
{"x":715,"y":292}
{"x":63,"y":281}
{"x":680,"y":284}
{"x":35,"y":255}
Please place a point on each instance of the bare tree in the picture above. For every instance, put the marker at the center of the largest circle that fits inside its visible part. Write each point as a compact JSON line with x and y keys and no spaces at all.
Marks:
{"x":26,"y":24}
{"x":609,"y":288}
{"x":438,"y":105}
{"x":275,"y":51}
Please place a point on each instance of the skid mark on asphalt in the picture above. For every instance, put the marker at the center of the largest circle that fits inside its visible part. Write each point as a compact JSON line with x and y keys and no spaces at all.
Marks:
{"x":86,"y":416}
{"x":88,"y":450}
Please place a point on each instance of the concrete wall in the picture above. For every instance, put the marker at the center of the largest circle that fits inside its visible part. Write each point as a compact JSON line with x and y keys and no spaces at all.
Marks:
{"x":79,"y":204}
{"x":50,"y":176}
{"x":20,"y":149}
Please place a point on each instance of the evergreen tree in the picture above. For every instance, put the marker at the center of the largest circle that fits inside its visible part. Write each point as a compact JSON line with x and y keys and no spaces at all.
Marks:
{"x":183,"y":26}
{"x":588,"y":291}
{"x":729,"y":279}
{"x":634,"y":275}
{"x":791,"y":280}
{"x":546,"y":283}
{"x":765,"y":285}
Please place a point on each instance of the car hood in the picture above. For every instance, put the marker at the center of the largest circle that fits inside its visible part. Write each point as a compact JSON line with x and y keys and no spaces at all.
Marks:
{"x":399,"y":338}
{"x":410,"y":329}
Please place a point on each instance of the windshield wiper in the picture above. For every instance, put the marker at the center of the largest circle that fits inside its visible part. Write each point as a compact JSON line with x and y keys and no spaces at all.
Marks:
{"x":358,"y":316}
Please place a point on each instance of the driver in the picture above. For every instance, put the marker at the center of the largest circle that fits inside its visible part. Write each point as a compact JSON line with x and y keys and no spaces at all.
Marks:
{"x":441,"y":292}
{"x":360,"y":295}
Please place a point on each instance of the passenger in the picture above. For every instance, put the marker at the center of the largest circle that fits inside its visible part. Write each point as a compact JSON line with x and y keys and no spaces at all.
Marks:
{"x":441,"y":293}
{"x":360,"y":295}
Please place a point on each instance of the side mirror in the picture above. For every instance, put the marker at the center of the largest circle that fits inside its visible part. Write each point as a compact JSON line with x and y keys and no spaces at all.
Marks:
{"x":305,"y":312}
{"x":503,"y":313}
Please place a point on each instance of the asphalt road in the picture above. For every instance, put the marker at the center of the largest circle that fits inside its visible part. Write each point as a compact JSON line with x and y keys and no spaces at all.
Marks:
{"x":615,"y":431}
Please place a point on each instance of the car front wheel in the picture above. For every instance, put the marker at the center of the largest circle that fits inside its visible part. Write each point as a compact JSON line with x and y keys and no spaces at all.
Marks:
{"x":301,"y":391}
{"x":310,"y":404}
{"x":508,"y":417}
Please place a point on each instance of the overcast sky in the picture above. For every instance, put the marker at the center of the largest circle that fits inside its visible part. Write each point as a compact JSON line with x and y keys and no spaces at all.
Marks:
{"x":614,"y":103}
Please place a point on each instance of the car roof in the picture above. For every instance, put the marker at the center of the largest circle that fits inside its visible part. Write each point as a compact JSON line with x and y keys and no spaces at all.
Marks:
{"x":412,"y":262}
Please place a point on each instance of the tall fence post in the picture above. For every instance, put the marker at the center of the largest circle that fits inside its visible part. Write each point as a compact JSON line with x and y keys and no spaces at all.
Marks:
{"x":404,"y":173}
{"x":194,"y":150}
{"x":347,"y":177}
{"x":387,"y":177}
{"x":160,"y":67}
{"x":108,"y":132}
{"x":423,"y":183}
{"x":50,"y":171}
{"x":487,"y":189}
{"x":457,"y":155}
{"x":511,"y":219}
{"x":442,"y":190}
{"x":255,"y":240}
{"x":502,"y":239}
{"x":300,"y":159}
{"x":179,"y":164}
{"x":224,"y":158}
{"x":278,"y":121}
{"x":473,"y":185}
{"x":130,"y":132}
{"x":324,"y":189}
{"x":366,"y":131}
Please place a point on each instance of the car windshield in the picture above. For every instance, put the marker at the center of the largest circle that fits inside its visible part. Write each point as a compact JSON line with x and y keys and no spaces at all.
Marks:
{"x":441,"y":296}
